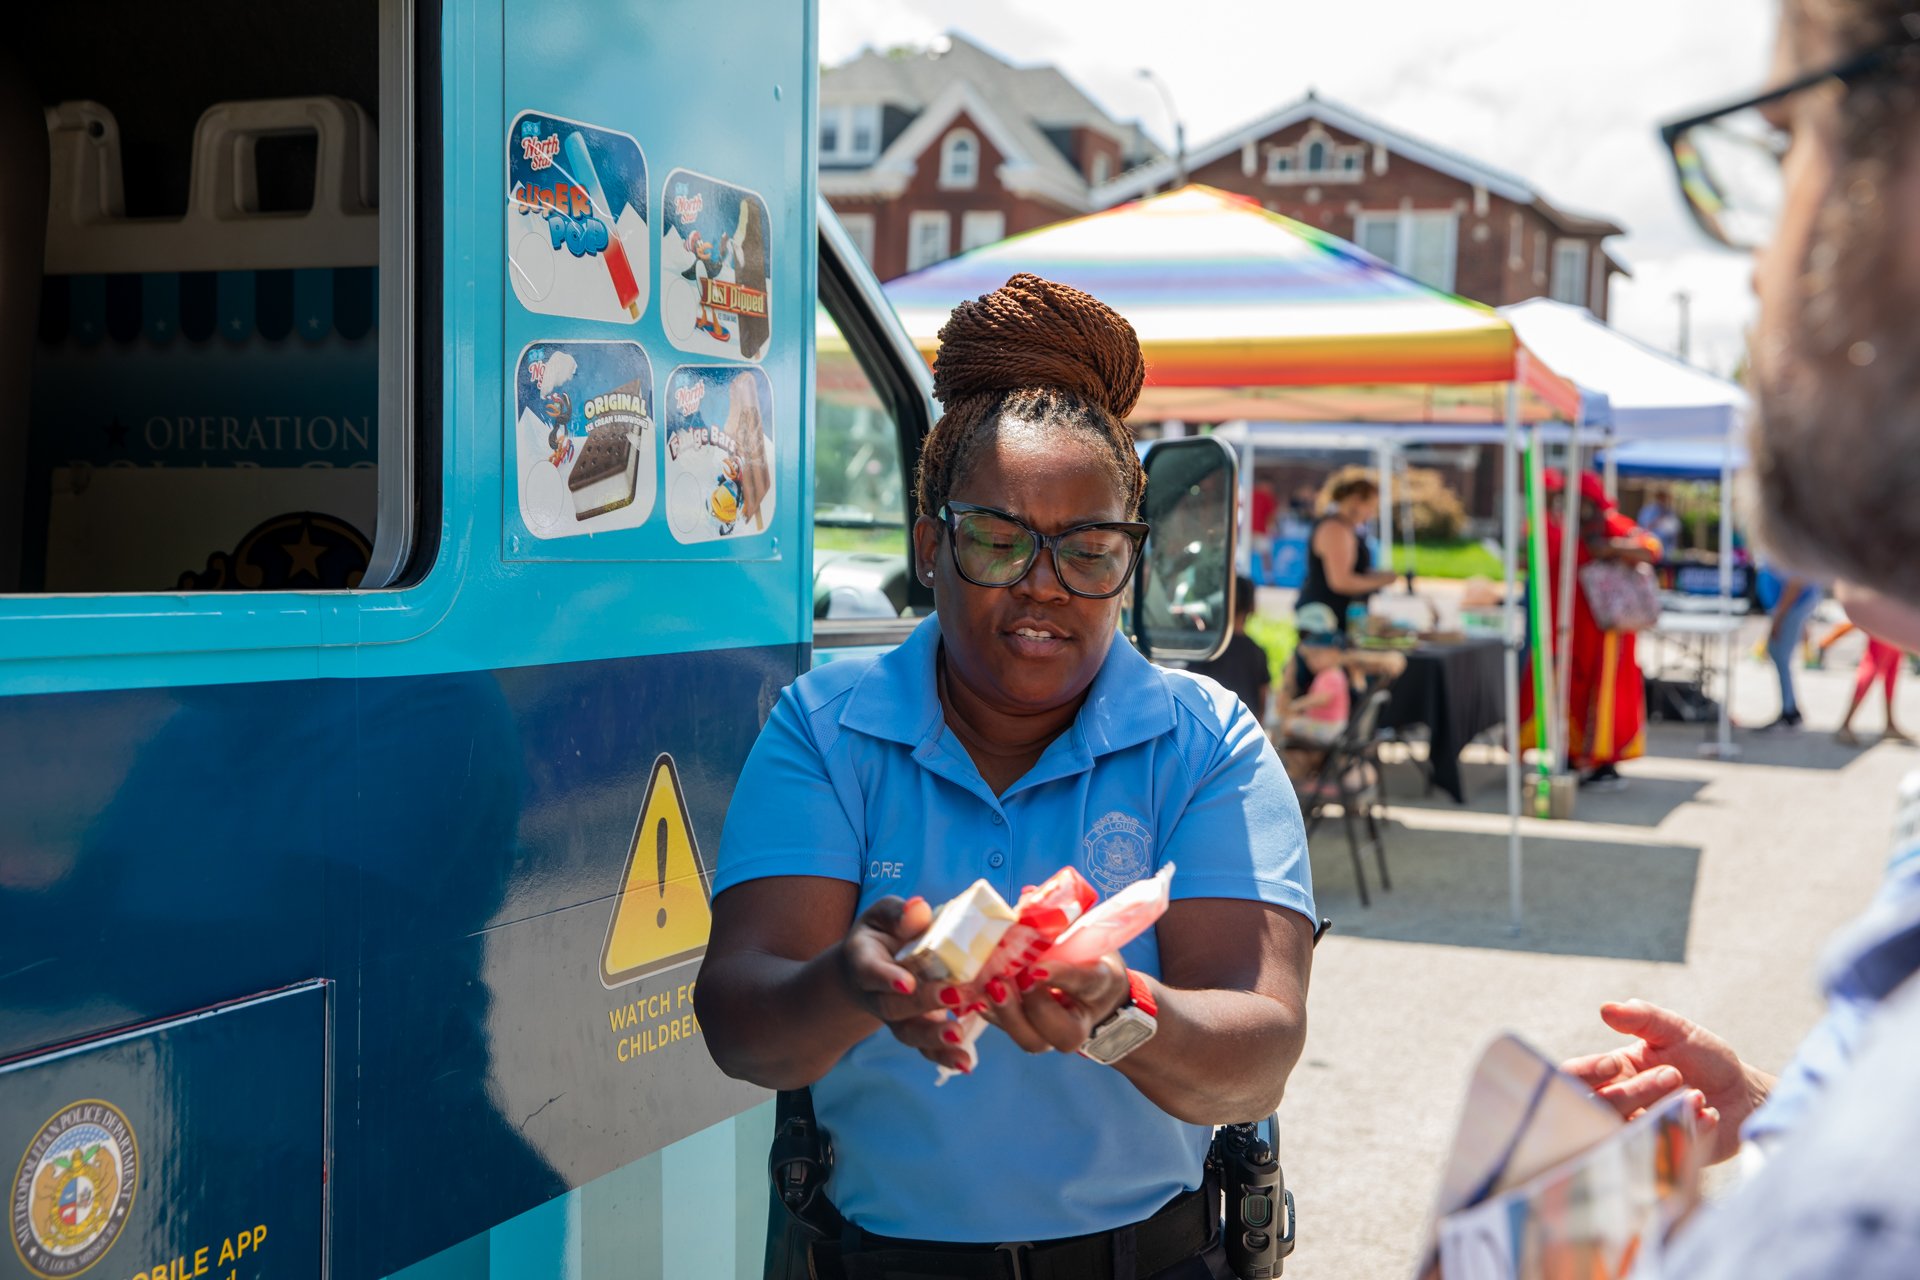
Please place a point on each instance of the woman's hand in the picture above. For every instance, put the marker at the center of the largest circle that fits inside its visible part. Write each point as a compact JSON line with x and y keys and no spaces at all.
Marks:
{"x":878,"y":983}
{"x":1057,"y":1007}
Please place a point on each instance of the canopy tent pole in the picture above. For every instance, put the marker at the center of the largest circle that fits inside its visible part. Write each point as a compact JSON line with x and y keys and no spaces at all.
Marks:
{"x":1612,"y":477}
{"x":1723,"y":744}
{"x":1563,"y":633}
{"x":1509,"y":550}
{"x":1403,"y":470}
{"x":1546,"y":728}
{"x":1383,"y":468}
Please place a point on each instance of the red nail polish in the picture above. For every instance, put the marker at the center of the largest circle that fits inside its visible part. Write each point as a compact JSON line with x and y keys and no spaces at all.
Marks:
{"x":949,"y":995}
{"x":963,"y":1068}
{"x":1062,"y":999}
{"x":950,"y":1036}
{"x":997,"y":991}
{"x":1025,"y":981}
{"x":1039,"y":975}
{"x":915,"y":901}
{"x":978,"y":1006}
{"x":904,"y":987}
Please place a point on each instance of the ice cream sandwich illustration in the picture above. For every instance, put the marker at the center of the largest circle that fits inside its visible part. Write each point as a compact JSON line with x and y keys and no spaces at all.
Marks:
{"x":586,"y":437}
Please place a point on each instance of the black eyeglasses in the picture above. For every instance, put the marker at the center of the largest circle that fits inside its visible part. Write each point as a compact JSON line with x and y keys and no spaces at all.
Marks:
{"x":1728,"y":159}
{"x":994,"y":549}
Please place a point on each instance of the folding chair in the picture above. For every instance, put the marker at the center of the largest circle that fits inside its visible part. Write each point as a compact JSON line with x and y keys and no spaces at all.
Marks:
{"x":1350,"y":776}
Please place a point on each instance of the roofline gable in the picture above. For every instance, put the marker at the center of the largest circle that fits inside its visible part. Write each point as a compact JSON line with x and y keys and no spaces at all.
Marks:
{"x":1507,"y":186}
{"x":1019,"y":172}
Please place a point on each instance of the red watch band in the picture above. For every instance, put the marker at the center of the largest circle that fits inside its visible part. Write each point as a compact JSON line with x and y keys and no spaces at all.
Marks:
{"x":1141,"y":994}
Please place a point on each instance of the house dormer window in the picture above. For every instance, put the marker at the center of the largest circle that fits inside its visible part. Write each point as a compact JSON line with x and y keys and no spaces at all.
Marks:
{"x":1316,"y":157}
{"x":849,"y":134}
{"x":960,"y":159}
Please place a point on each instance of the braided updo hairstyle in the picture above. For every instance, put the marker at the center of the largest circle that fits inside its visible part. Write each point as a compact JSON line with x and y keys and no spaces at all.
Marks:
{"x":1036,"y":354}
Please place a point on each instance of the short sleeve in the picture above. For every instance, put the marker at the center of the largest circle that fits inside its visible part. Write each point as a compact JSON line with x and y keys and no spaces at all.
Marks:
{"x":788,"y":818}
{"x":1240,"y":834}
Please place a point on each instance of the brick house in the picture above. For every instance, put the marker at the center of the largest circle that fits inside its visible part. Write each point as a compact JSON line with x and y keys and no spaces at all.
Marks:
{"x":927,"y":153}
{"x":1450,"y":221}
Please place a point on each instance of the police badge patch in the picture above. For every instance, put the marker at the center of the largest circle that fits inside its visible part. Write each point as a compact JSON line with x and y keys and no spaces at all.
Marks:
{"x":1119,"y":850}
{"x":74,"y":1189}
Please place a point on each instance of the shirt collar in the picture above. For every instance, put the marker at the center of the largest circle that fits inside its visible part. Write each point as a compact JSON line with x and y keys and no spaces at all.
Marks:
{"x":897,"y":699}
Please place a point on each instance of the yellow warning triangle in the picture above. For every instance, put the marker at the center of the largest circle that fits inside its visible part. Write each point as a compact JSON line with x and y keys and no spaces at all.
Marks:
{"x":661,"y":918}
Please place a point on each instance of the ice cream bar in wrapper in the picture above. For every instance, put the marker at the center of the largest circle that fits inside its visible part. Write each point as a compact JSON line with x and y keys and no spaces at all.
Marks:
{"x":1088,"y":934}
{"x":964,"y":932}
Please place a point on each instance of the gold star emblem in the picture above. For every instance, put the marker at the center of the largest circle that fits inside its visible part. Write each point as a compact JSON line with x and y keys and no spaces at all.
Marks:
{"x":304,"y":555}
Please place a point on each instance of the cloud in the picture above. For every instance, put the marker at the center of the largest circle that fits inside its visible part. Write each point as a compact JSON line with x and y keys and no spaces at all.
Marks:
{"x":1567,"y":95}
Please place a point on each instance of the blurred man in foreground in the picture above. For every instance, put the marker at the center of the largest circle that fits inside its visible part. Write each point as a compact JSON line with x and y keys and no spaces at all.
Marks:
{"x":1836,"y":364}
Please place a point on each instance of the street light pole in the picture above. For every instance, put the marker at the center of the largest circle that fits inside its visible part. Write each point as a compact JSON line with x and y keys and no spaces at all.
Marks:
{"x":1685,"y":300}
{"x":1179,"y":129}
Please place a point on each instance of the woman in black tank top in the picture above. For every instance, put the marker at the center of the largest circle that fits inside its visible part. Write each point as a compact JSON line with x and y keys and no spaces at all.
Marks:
{"x":1339,"y":563}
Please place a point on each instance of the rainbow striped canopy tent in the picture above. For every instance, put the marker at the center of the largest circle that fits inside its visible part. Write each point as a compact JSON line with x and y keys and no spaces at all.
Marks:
{"x":1246,"y":314}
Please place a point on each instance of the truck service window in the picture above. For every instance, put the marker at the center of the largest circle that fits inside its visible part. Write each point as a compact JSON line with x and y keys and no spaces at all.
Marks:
{"x":204,"y":311}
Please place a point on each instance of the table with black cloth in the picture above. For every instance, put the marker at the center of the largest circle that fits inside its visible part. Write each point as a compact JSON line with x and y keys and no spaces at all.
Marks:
{"x":1456,"y":690}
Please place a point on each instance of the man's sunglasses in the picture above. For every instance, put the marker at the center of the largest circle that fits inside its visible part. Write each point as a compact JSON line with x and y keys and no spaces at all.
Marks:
{"x":994,"y":549}
{"x":1728,"y":159}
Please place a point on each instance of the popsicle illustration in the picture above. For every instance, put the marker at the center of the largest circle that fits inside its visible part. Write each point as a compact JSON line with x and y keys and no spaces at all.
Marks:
{"x":625,"y":287}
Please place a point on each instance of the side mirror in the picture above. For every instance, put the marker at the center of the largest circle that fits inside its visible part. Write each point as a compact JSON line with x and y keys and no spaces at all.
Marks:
{"x":1183,"y":594}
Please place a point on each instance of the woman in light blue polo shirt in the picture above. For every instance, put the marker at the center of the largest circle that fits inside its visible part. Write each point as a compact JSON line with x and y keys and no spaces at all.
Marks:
{"x":1010,"y":736}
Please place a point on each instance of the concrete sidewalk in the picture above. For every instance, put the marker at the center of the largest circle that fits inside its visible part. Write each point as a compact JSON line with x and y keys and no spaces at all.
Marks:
{"x":1706,"y":886}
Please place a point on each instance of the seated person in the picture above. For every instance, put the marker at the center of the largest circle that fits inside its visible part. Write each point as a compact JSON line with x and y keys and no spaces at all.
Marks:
{"x":1311,"y":720}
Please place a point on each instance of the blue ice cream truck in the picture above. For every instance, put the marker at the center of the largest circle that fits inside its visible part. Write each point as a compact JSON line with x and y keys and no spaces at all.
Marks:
{"x":435,"y":433}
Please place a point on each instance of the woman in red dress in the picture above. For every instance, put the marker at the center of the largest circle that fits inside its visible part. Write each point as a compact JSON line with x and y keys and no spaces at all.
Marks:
{"x":1607,"y":703}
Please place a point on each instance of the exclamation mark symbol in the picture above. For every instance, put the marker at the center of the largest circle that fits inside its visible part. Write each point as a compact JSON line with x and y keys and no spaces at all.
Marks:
{"x":660,"y":868}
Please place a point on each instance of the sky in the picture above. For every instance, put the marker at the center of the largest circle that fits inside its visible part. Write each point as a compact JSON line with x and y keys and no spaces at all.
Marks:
{"x":1567,"y":95}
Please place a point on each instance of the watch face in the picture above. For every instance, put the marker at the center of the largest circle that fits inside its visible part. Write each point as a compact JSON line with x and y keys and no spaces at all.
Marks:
{"x":1120,"y":1035}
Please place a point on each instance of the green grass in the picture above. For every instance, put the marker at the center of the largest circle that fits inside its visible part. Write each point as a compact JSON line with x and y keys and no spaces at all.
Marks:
{"x":1277,"y":636}
{"x":1447,"y":560}
{"x":830,"y":538}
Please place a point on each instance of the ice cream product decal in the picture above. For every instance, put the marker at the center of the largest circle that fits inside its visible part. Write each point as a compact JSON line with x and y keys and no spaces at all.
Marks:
{"x":714,"y":266}
{"x":720,"y":452}
{"x":584,"y":437}
{"x":577,"y":236}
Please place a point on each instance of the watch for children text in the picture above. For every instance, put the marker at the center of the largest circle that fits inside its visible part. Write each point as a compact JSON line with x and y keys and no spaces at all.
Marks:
{"x":1126,"y":1028}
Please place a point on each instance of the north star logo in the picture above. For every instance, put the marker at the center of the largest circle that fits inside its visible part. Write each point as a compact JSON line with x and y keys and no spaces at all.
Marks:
{"x":687,"y":398}
{"x":539,"y":152}
{"x":1119,"y":851}
{"x":687,"y":208}
{"x":74,"y":1189}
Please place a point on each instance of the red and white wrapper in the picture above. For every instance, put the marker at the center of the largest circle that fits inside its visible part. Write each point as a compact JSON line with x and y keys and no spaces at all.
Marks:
{"x":1059,"y":921}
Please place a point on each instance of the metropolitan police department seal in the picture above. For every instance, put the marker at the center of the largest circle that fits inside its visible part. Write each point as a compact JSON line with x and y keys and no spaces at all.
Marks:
{"x":74,"y":1189}
{"x":1119,"y":851}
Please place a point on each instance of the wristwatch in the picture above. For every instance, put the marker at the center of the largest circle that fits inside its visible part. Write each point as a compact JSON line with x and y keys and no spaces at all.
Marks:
{"x":1126,"y":1028}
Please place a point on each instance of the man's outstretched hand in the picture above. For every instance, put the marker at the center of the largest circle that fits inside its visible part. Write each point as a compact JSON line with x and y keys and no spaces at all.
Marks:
{"x":1670,"y":1052}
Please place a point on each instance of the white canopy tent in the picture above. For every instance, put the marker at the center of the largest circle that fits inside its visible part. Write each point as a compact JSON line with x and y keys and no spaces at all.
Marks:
{"x":1652,"y":397}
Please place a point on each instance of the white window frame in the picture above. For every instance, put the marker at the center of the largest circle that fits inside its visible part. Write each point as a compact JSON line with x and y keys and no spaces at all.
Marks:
{"x":1101,"y":169}
{"x":1539,"y":258}
{"x":928,"y":218}
{"x":1570,"y":272}
{"x":1404,"y":221}
{"x":949,"y":147}
{"x":1280,"y":164}
{"x":845,"y":118}
{"x":980,"y":227}
{"x":860,"y":229}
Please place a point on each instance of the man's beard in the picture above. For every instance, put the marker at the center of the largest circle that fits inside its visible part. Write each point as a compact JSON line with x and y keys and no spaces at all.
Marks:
{"x":1836,"y":443}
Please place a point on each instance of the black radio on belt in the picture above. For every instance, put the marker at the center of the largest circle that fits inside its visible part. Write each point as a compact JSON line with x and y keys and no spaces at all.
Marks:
{"x":1259,"y":1225}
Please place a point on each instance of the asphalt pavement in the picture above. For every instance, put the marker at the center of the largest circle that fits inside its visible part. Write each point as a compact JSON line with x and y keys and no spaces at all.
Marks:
{"x":1705,"y":885}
